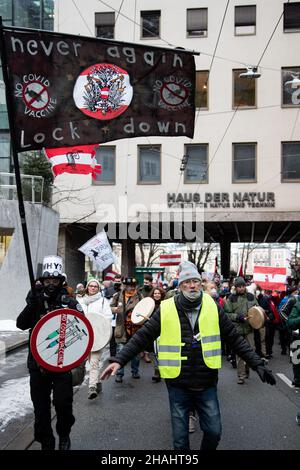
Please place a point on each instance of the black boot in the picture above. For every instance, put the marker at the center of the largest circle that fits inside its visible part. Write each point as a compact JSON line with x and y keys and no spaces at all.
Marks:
{"x":64,"y":443}
{"x":48,"y":444}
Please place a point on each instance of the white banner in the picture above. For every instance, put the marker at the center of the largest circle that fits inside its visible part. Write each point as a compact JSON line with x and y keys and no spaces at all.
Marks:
{"x":99,"y":250}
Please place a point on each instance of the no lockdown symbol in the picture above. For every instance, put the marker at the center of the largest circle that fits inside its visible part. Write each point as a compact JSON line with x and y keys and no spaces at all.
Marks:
{"x":61,"y":340}
{"x":34,"y":92}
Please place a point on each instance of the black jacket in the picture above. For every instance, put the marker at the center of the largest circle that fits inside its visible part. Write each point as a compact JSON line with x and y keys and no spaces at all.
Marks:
{"x":194,"y":373}
{"x":35,"y":310}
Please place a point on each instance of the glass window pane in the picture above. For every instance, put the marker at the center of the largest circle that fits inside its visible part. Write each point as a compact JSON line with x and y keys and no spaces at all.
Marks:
{"x":27,"y":13}
{"x":244,"y":90}
{"x":196,"y":169}
{"x":105,"y":25}
{"x":150,"y":23}
{"x":106,"y":156}
{"x":291,"y":86}
{"x":48,"y":15}
{"x":149,"y":164}
{"x":244,"y":156}
{"x":291,"y":17}
{"x":196,"y":23}
{"x":245,"y":15}
{"x":6,"y":12}
{"x":291,"y":161}
{"x":201,"y":95}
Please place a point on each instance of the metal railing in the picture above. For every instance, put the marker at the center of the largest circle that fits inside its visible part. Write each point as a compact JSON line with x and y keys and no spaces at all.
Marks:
{"x":32,"y":187}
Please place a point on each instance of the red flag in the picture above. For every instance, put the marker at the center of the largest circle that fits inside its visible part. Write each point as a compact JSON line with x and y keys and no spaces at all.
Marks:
{"x":110,"y":275}
{"x":169,"y":260}
{"x":269,"y":277}
{"x":78,"y":159}
{"x":216,"y":265}
{"x":240,"y":272}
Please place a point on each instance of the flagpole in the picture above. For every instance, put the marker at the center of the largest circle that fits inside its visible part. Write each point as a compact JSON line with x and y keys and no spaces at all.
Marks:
{"x":13,"y":138}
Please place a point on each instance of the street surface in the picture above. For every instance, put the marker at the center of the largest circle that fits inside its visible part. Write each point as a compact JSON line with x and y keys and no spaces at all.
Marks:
{"x":135,"y":415}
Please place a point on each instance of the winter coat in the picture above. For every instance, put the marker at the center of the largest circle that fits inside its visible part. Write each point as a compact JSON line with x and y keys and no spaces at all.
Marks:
{"x":294,"y":317}
{"x":33,"y":312}
{"x":239,"y":305}
{"x":124,"y":315}
{"x":194,"y":373}
{"x":96,"y":304}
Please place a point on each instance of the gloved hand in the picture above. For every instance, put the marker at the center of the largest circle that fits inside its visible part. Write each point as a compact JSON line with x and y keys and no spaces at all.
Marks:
{"x":32,"y":299}
{"x":241,"y":318}
{"x":265,"y":374}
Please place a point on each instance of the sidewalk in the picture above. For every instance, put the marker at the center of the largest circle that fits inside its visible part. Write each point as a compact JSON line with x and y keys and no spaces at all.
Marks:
{"x":10,"y":340}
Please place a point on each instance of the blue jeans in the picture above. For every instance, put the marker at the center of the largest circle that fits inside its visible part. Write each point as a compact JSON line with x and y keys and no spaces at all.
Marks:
{"x":135,"y":362}
{"x":206,"y":404}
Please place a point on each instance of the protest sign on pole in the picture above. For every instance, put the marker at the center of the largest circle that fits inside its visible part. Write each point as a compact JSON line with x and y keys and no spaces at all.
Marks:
{"x":99,"y":250}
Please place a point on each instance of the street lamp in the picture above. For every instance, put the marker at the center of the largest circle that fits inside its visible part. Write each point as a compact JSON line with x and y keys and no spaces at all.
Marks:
{"x":252,"y":72}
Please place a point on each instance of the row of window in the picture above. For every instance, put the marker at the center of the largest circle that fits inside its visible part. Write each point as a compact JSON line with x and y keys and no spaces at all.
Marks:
{"x":197,"y":21}
{"x":244,"y":163}
{"x":244,"y":89}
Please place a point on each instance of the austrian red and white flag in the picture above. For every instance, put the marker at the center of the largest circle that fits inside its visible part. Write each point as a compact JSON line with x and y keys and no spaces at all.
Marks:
{"x":110,"y":275}
{"x":79,"y":159}
{"x":169,"y":260}
{"x":270,"y":278}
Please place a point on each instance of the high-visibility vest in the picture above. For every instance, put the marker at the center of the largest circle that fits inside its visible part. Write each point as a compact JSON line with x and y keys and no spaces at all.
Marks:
{"x":170,"y":344}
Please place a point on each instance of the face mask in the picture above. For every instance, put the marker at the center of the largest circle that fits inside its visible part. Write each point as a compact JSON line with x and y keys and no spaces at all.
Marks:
{"x":117,"y":285}
{"x":51,"y":290}
{"x":147,"y":287}
{"x":192,"y":295}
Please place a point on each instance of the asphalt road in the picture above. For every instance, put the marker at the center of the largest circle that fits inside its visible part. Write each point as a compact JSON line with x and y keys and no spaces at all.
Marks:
{"x":134,"y":415}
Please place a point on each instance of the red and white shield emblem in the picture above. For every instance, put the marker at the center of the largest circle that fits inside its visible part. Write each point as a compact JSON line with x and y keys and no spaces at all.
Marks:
{"x":103,"y":91}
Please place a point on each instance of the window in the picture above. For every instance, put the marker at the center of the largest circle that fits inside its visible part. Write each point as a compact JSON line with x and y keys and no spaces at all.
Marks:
{"x":196,"y":169}
{"x":196,"y":22}
{"x":291,"y":17}
{"x":244,"y":163}
{"x":245,"y":19}
{"x":201,"y":95}
{"x":290,"y":85}
{"x":5,"y":152}
{"x":105,"y":25}
{"x":150,"y":21}
{"x":149,"y":164}
{"x":290,"y":158}
{"x":106,"y":156}
{"x":244,"y":90}
{"x":28,"y":13}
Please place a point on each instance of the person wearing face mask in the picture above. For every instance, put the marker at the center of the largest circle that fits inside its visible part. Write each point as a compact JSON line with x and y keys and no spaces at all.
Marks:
{"x":50,"y":297}
{"x":189,"y":327}
{"x":146,"y":289}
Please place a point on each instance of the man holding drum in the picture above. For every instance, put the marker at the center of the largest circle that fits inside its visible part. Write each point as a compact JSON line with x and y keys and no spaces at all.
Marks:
{"x":189,"y":328}
{"x":237,"y":307}
{"x":51,"y":296}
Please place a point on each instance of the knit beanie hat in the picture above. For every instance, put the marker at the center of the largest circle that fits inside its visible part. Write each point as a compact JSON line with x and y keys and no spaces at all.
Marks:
{"x":94,"y":280}
{"x":239,"y":282}
{"x":187,"y":270}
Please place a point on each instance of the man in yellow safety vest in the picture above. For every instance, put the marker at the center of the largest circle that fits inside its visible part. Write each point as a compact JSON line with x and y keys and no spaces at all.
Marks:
{"x":189,"y":326}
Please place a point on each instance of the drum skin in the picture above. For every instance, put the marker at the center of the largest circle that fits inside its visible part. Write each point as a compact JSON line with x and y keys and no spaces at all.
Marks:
{"x":143,"y":311}
{"x":102,"y":330}
{"x":256,"y":317}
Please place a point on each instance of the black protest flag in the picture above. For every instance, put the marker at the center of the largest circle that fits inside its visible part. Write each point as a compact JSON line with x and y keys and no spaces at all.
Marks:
{"x":68,"y":90}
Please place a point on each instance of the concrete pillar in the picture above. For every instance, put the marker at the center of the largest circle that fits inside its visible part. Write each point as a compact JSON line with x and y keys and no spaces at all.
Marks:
{"x":225,"y":258}
{"x":71,"y":238}
{"x":128,"y":257}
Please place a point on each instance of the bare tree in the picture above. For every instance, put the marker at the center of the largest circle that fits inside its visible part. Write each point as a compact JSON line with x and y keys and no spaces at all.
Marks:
{"x":295,"y":264}
{"x":199,"y":256}
{"x":149,"y":258}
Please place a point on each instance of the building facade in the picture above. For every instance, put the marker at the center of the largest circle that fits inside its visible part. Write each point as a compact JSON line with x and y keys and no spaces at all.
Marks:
{"x":242,"y":168}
